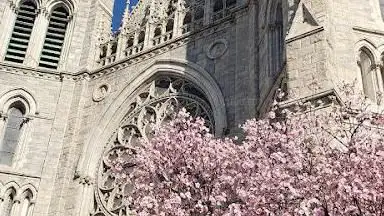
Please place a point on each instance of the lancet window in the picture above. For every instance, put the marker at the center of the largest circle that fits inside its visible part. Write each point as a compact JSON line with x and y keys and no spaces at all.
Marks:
{"x":103,"y":54}
{"x":221,"y":8}
{"x":140,"y":41}
{"x":54,"y":39}
{"x":157,"y":35}
{"x":130,"y":42}
{"x":169,"y":29}
{"x":199,"y":13}
{"x":12,"y":131}
{"x":276,"y":41}
{"x":22,"y":30}
{"x":193,"y":16}
{"x":366,"y":63}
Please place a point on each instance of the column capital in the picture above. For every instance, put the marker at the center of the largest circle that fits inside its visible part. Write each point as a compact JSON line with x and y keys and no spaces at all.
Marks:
{"x":12,"y":5}
{"x":376,"y":66}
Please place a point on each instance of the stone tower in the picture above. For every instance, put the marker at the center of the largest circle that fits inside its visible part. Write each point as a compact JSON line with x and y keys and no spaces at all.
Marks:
{"x":73,"y":95}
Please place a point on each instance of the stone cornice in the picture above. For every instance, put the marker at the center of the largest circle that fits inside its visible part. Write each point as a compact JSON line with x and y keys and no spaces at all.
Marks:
{"x":7,"y":171}
{"x":368,"y":30}
{"x":38,"y":73}
{"x":303,"y":35}
{"x":222,"y":25}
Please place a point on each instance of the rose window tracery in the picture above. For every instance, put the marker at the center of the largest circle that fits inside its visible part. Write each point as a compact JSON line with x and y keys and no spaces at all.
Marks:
{"x":153,"y":105}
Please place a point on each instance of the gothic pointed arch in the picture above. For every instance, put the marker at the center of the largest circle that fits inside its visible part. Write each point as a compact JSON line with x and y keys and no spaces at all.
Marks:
{"x":22,"y":31}
{"x":154,"y":103}
{"x":7,"y":206}
{"x":55,"y":45}
{"x":21,"y":95}
{"x":17,"y":107}
{"x":366,"y":62}
{"x":69,"y":5}
{"x":27,"y":197}
{"x":141,"y":102}
{"x":54,"y":39}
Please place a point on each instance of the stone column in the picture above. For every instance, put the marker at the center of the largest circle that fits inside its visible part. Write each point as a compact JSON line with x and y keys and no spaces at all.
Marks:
{"x":86,"y":198}
{"x":177,"y":22}
{"x":207,"y":12}
{"x":30,"y":209}
{"x":3,"y":123}
{"x":9,"y":17}
{"x":147,"y":35}
{"x":1,"y":203}
{"x":122,"y":41}
{"x":37,"y":38}
{"x":20,"y":149}
{"x":378,"y":80}
{"x":15,"y":208}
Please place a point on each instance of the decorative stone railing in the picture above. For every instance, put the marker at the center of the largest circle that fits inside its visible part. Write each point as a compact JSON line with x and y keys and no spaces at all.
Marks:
{"x":107,"y":60}
{"x":124,"y":50}
{"x":168,"y":36}
{"x":162,"y":38}
{"x":133,"y":50}
{"x":186,"y":28}
{"x":156,"y":40}
{"x":128,"y":51}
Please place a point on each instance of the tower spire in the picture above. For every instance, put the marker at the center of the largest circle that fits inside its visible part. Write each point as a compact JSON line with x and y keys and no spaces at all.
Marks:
{"x":128,"y":5}
{"x":127,"y":10}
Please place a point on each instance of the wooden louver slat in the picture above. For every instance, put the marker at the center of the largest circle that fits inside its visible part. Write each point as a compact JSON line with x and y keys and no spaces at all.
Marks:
{"x":21,"y":34}
{"x":54,"y":39}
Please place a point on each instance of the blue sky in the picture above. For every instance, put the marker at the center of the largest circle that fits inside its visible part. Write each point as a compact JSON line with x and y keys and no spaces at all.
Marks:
{"x":118,"y":10}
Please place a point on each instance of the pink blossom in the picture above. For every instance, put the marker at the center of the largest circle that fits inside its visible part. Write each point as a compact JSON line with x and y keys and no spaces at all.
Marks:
{"x":320,"y":163}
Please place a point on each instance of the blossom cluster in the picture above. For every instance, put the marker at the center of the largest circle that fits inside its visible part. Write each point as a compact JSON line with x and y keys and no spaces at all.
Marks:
{"x":327,"y":162}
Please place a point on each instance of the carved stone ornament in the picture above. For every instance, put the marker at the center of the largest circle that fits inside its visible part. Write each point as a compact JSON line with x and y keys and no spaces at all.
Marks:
{"x":154,"y":104}
{"x":100,"y":92}
{"x":217,"y":49}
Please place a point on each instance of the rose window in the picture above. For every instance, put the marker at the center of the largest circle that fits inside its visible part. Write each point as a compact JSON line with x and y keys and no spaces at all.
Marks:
{"x":154,"y":104}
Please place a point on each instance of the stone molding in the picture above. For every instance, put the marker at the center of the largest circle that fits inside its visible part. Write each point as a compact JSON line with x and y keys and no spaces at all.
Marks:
{"x":101,"y":91}
{"x":306,"y":34}
{"x":111,"y":118}
{"x":19,"y":189}
{"x":22,"y":95}
{"x":84,"y":179}
{"x":223,"y":25}
{"x":217,"y":49}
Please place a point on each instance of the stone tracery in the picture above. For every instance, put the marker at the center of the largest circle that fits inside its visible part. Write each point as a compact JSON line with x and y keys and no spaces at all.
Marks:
{"x":153,"y":105}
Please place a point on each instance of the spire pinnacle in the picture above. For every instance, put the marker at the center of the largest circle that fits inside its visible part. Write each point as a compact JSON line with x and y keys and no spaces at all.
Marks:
{"x":128,"y":5}
{"x":127,"y":10}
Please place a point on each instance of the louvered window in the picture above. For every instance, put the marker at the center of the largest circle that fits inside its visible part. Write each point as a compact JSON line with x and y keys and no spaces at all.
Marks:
{"x":54,"y":39}
{"x":21,"y":34}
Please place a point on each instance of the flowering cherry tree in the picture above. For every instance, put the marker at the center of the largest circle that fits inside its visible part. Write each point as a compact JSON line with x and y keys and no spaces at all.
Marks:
{"x":302,"y":162}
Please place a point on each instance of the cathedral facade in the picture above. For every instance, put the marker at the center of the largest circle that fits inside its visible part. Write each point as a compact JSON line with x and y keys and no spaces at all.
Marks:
{"x":73,"y":95}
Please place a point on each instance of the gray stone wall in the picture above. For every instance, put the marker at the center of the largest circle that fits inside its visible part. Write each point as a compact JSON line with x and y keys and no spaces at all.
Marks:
{"x":322,"y":55}
{"x":233,"y":69}
{"x":44,"y":139}
{"x":73,"y":123}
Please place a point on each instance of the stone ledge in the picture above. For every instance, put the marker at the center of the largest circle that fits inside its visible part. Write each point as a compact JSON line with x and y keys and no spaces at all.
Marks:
{"x":367,"y":30}
{"x":8,"y":171}
{"x":306,"y":34}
